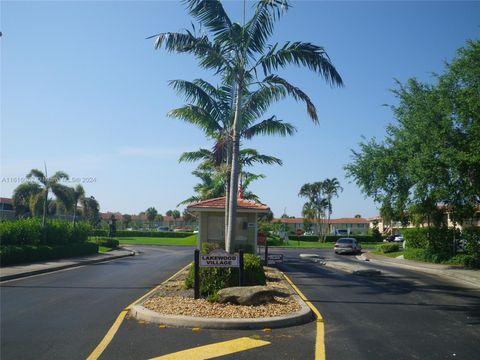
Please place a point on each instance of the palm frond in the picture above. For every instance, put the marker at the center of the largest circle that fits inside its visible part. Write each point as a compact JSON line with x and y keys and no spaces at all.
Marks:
{"x":296,"y":93}
{"x":258,"y":102}
{"x":197,"y":116}
{"x":38,"y":175}
{"x":270,"y":126}
{"x":250,"y":156}
{"x":192,"y":156}
{"x":209,"y":54}
{"x":195,"y":93}
{"x":211,"y":14}
{"x":59,"y":175}
{"x":260,"y":27}
{"x":299,"y":53}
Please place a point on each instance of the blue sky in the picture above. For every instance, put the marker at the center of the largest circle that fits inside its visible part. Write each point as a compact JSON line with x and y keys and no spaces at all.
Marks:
{"x":82,"y":90}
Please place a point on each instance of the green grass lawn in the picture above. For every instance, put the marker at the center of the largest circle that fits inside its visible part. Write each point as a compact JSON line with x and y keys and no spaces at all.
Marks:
{"x":392,"y":254}
{"x":319,"y":245}
{"x":104,"y":249}
{"x":186,"y":241}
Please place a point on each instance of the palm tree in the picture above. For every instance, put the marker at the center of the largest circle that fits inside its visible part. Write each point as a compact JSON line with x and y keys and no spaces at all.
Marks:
{"x":316,"y":205}
{"x":78,"y":193}
{"x":151,"y":213}
{"x":24,"y":197}
{"x":331,"y":188}
{"x":211,"y":109}
{"x":50,"y":183}
{"x":239,"y":53}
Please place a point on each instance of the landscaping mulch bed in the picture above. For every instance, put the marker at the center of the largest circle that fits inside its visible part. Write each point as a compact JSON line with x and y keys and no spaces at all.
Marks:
{"x":173,"y":299}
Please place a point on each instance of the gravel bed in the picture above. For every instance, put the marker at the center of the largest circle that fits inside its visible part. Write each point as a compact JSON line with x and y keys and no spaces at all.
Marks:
{"x":173,"y":299}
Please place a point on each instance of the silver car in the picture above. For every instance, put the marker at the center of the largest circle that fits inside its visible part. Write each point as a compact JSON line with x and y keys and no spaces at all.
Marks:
{"x":347,"y":246}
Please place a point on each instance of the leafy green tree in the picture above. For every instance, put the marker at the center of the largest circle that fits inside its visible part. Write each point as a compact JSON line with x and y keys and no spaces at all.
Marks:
{"x":239,"y":53}
{"x":91,"y":211}
{"x":429,"y":160}
{"x":126,"y":220}
{"x":188,"y":217}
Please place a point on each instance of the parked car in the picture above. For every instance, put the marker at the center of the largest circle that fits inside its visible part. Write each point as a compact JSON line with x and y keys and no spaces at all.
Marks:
{"x":163,"y":228}
{"x":398,"y":238}
{"x":347,"y":246}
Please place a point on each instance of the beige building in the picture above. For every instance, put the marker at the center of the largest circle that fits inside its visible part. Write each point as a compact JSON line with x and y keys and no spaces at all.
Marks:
{"x":211,"y":222}
{"x":340,"y":226}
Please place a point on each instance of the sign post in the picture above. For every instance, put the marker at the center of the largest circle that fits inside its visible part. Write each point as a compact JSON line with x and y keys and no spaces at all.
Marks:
{"x":241,"y":273}
{"x":196,"y":274}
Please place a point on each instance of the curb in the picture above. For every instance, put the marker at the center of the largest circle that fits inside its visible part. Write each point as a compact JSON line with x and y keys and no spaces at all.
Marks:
{"x":303,"y":316}
{"x":62,"y":267}
{"x":443,"y":273}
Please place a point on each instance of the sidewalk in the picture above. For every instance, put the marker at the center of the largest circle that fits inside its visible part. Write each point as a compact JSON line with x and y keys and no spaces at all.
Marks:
{"x":19,"y":271}
{"x":472,"y":277}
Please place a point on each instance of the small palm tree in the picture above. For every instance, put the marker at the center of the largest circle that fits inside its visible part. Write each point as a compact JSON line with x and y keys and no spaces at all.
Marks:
{"x":331,"y":188}
{"x":50,"y":184}
{"x":24,"y":197}
{"x":316,"y":205}
{"x":151,"y":214}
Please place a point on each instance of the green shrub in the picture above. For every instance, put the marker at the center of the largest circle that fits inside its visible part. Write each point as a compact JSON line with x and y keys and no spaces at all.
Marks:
{"x":208,"y":247}
{"x":14,"y":254}
{"x":472,"y":237}
{"x":214,"y":279}
{"x":333,"y":238}
{"x":388,"y":248}
{"x":274,"y":241}
{"x":157,"y":234}
{"x":21,"y":232}
{"x":30,"y":232}
{"x":107,"y":242}
{"x":469,"y":261}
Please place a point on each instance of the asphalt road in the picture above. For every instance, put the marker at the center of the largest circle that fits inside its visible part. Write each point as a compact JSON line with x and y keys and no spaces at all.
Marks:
{"x":65,"y":314}
{"x":399,"y":315}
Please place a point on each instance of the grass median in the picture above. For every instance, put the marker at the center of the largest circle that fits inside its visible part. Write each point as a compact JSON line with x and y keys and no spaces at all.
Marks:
{"x":186,"y":241}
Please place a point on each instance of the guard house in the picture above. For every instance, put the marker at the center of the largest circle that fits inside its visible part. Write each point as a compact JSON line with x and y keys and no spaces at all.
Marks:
{"x":211,"y":222}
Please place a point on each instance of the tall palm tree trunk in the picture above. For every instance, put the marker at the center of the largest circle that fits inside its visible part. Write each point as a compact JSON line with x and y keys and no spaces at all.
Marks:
{"x":227,"y":188}
{"x":45,"y":199}
{"x":74,"y":213}
{"x":232,"y":204}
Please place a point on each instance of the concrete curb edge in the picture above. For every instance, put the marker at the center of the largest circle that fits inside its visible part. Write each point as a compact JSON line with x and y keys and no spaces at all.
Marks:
{"x":63,"y":267}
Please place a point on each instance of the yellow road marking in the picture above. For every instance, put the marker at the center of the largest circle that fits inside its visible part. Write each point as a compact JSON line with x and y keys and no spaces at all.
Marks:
{"x":320,"y":337}
{"x":116,"y":325}
{"x":215,"y":350}
{"x":108,"y":337}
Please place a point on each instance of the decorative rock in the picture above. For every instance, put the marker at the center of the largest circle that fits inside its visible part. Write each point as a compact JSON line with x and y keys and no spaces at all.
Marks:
{"x":249,"y":295}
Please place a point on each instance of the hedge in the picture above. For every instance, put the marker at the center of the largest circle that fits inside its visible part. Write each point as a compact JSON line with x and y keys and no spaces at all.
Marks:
{"x":214,"y":279}
{"x":388,"y":248}
{"x":333,"y":238}
{"x":30,"y":232}
{"x":156,"y":234}
{"x":14,"y":254}
{"x":107,"y":242}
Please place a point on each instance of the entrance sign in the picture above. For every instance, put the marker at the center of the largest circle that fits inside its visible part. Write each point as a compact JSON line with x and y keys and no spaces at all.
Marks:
{"x":261,"y":239}
{"x":275,"y":259}
{"x":219,"y":258}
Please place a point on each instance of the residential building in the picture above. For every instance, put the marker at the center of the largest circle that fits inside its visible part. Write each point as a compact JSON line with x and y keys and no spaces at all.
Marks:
{"x":340,"y":226}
